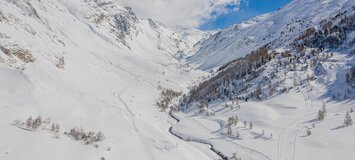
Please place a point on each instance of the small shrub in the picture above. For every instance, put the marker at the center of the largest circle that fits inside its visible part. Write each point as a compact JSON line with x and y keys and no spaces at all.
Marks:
{"x":60,"y":63}
{"x":167,"y":96}
{"x":79,"y":134}
{"x":30,"y":124}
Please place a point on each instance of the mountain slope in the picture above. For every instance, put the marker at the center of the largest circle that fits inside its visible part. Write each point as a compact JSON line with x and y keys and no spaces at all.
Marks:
{"x":100,"y":78}
{"x":285,"y":101}
{"x":273,"y":29}
{"x":91,"y":64}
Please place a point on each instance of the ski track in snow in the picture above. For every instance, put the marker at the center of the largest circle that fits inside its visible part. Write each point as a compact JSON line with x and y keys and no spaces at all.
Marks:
{"x":289,"y":134}
{"x":238,"y":147}
{"x":132,"y":115}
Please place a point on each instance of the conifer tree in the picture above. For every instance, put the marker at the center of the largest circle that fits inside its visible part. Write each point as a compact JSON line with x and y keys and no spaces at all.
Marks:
{"x":321,"y":115}
{"x":309,"y":132}
{"x":324,"y":108}
{"x":230,"y":121}
{"x":229,"y":130}
{"x":347,"y":121}
{"x":236,"y":119}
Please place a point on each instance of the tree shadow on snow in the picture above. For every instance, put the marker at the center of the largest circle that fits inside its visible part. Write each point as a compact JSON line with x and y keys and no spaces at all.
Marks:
{"x":311,"y":121}
{"x":337,"y":127}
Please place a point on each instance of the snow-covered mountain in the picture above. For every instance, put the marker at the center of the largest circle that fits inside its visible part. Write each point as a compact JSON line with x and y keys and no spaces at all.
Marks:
{"x":108,"y":84}
{"x":92,"y":64}
{"x":284,"y":87}
{"x":273,"y":29}
{"x":299,"y":49}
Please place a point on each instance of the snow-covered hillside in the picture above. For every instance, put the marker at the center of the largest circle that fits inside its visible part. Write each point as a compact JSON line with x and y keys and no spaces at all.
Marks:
{"x":88,"y":79}
{"x":273,"y":29}
{"x":91,"y":64}
{"x":286,"y":97}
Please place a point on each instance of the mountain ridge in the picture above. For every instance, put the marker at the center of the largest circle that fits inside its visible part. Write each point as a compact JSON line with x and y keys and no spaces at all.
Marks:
{"x":279,"y":27}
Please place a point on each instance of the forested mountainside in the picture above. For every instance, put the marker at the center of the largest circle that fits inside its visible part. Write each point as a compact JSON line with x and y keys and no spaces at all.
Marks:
{"x":273,"y":70}
{"x":281,"y":86}
{"x":276,"y":29}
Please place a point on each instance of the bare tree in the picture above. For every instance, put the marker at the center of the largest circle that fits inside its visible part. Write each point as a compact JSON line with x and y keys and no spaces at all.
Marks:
{"x":29,"y":122}
{"x":167,"y":96}
{"x":79,"y":134}
{"x":37,"y":122}
{"x":55,"y":128}
{"x":99,"y":136}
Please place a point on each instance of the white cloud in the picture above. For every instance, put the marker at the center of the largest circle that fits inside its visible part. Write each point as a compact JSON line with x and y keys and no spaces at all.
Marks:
{"x":191,"y":13}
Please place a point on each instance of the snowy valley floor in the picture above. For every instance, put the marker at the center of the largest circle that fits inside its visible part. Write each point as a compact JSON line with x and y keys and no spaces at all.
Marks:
{"x":279,"y":131}
{"x":135,"y":128}
{"x":95,"y":65}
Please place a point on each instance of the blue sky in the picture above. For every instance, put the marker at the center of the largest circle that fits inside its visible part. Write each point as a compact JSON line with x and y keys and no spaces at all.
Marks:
{"x":246,"y":11}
